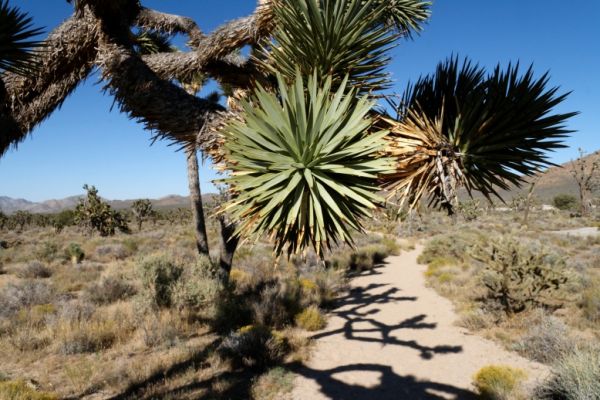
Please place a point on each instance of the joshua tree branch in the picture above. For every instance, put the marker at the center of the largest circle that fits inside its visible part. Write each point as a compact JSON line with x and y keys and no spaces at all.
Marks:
{"x":170,"y":24}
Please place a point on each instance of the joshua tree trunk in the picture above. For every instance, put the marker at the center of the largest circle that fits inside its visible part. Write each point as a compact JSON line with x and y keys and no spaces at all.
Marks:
{"x":196,"y":202}
{"x":229,"y":243}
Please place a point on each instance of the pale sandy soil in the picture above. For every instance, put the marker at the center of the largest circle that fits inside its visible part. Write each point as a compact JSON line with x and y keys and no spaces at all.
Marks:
{"x":581,"y":232}
{"x":393,"y":338}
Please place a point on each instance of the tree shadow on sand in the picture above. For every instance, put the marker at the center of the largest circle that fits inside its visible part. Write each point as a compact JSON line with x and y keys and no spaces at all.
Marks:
{"x":390,"y":387}
{"x":361,"y":322}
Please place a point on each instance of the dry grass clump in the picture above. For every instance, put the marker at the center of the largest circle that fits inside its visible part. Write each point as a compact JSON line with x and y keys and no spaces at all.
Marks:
{"x":590,"y":300}
{"x":20,"y":390}
{"x":273,"y":384}
{"x":17,"y":296}
{"x":311,"y":319}
{"x":253,"y":346}
{"x":575,"y":376}
{"x":109,"y":290}
{"x":499,"y":382}
{"x":547,"y":339}
{"x":33,"y":270}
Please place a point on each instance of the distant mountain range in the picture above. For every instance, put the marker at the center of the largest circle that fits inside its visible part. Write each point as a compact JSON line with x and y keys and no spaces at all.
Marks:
{"x":9,"y":205}
{"x":555,"y":180}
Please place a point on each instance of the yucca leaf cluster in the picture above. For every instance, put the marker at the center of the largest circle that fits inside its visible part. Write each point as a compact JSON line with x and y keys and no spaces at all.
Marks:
{"x":336,"y":38}
{"x":304,"y":164}
{"x":462,"y":127}
{"x":16,"y":40}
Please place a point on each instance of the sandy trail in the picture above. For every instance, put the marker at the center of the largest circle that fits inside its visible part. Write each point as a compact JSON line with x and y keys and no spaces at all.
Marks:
{"x":391,"y":337}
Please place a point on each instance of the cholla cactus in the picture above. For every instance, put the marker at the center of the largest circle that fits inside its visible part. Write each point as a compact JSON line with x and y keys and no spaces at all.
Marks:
{"x":520,"y":276}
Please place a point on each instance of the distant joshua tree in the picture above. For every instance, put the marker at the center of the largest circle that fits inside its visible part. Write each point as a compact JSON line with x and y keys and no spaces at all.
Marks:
{"x":94,"y":214}
{"x":142,"y":211}
{"x":587,"y":175}
{"x":304,"y":146}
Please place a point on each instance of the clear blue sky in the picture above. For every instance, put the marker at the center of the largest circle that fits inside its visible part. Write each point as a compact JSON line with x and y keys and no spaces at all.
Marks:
{"x":86,"y":142}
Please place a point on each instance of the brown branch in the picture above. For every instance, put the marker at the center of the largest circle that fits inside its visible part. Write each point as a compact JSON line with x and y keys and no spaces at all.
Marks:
{"x":66,"y":59}
{"x":161,"y":106}
{"x":170,"y":24}
{"x":222,"y":42}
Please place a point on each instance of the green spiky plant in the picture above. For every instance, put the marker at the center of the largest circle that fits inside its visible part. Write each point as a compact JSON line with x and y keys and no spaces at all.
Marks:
{"x":17,"y":40}
{"x":304,"y":164}
{"x":459,"y":127}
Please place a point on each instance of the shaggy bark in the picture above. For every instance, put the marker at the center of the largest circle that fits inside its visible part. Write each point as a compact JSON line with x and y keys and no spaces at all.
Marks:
{"x":229,"y":243}
{"x":97,"y":35}
{"x":196,"y":202}
{"x":66,"y":59}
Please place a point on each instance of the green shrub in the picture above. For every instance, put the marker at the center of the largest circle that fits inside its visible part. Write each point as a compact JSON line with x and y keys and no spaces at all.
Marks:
{"x":159,"y":274}
{"x":574,"y":377}
{"x":590,"y":301}
{"x":19,"y":390}
{"x":454,"y":246}
{"x":498,"y":382}
{"x":273,"y":385}
{"x":565,"y":202}
{"x":197,"y":287}
{"x":311,"y":319}
{"x":74,"y":253}
{"x":47,"y":252}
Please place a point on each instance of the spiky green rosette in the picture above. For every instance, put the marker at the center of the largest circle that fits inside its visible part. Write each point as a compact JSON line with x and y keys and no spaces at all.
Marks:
{"x":304,"y":166}
{"x":464,"y":128}
{"x":16,"y":40}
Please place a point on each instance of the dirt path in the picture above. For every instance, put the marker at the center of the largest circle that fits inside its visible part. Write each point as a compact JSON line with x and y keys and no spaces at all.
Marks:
{"x":393,"y":338}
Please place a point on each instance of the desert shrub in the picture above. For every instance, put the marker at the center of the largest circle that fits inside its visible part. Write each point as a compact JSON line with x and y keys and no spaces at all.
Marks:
{"x":329,"y":282}
{"x":113,"y":251}
{"x":565,"y":202}
{"x":273,"y":384}
{"x":197,"y":287}
{"x":19,"y":390}
{"x":366,"y":258}
{"x":47,"y":252}
{"x":546,"y":340}
{"x":162,"y":329}
{"x":252,"y":346}
{"x":574,"y":377}
{"x":590,"y":301}
{"x":75,"y":311}
{"x":277,"y":303}
{"x":449,"y":247}
{"x":520,"y":276}
{"x":109,"y":290}
{"x":498,"y":382}
{"x":85,"y":336}
{"x":470,"y":209}
{"x":15,"y":297}
{"x":74,"y":253}
{"x":311,"y":319}
{"x":32,"y":270}
{"x":159,"y":274}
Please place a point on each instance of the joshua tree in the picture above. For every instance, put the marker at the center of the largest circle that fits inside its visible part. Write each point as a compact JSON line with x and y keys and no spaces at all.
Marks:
{"x":304,"y":145}
{"x":20,"y":219}
{"x":92,"y":213}
{"x":142,"y":211}
{"x":586,"y":173}
{"x":3,"y":220}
